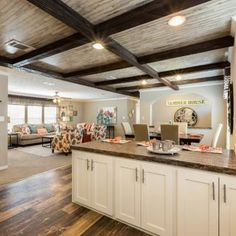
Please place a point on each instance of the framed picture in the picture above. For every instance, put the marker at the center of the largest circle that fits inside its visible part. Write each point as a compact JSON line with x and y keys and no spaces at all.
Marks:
{"x":107,"y":115}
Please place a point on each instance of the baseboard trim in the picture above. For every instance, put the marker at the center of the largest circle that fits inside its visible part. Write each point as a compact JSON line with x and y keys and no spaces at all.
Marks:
{"x":3,"y":167}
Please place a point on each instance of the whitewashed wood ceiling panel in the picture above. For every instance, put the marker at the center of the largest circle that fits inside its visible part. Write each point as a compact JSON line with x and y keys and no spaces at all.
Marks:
{"x":77,"y":58}
{"x":22,"y":21}
{"x":204,"y":22}
{"x":97,"y":11}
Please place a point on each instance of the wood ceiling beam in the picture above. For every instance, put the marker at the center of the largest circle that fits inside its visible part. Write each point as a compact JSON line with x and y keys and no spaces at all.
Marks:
{"x":210,"y":45}
{"x":138,"y":16}
{"x":71,"y":18}
{"x":6,"y":62}
{"x":183,"y":82}
{"x":207,"y":67}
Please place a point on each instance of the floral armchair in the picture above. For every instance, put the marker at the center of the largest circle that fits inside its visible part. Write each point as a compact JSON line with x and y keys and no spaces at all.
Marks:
{"x":64,"y":141}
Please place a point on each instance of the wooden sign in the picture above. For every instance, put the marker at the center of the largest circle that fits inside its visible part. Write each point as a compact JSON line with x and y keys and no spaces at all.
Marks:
{"x":192,"y":102}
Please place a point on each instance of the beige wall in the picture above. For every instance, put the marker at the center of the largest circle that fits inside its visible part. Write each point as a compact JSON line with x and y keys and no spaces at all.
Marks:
{"x":123,"y":108}
{"x":214,"y":94}
{"x":3,"y":125}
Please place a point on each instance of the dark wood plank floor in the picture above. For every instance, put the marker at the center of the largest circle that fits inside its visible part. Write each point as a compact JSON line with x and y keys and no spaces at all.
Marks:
{"x":41,"y":205}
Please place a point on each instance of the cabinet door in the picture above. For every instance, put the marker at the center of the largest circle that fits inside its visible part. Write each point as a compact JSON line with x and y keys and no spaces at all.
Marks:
{"x":227,"y":206}
{"x":127,"y":183}
{"x":81,"y":178}
{"x":101,"y":183}
{"x":197,"y":203}
{"x":157,"y":199}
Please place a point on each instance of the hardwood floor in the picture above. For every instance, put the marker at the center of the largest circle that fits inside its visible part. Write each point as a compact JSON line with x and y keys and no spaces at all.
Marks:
{"x":41,"y":205}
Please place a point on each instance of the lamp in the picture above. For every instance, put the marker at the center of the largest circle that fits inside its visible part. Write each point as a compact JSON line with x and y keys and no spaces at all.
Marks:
{"x":56,"y":99}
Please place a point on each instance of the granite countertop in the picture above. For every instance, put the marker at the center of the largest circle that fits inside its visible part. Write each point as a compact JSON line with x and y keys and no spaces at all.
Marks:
{"x":220,"y":163}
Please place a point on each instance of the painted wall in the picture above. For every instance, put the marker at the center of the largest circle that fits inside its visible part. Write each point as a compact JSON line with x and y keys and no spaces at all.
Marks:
{"x":124,"y":106}
{"x":213,"y":93}
{"x":3,"y":125}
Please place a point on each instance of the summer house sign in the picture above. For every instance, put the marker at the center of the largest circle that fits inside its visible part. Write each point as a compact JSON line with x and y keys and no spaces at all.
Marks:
{"x":181,"y":102}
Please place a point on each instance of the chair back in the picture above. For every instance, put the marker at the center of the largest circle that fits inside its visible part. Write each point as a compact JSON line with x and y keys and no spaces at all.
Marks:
{"x":141,"y":132}
{"x":127,"y":128}
{"x":216,"y":136}
{"x":183,"y":127}
{"x":170,"y":132}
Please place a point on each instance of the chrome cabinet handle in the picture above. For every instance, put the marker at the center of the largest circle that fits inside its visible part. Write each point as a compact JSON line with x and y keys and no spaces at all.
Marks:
{"x":225,"y":197}
{"x":92,"y":167}
{"x":213,"y":190}
{"x":87,"y":164}
{"x":143,"y":175}
{"x":136,"y":174}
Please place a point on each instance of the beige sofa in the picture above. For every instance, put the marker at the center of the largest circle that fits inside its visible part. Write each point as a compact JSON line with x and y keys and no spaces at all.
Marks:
{"x":31,"y":137}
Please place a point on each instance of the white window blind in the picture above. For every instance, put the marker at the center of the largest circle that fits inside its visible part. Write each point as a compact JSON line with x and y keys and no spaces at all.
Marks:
{"x":16,"y":114}
{"x":50,"y":115}
{"x":34,"y":114}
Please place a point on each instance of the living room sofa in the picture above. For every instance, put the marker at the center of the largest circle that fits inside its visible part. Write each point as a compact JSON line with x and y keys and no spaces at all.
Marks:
{"x":28,"y":133}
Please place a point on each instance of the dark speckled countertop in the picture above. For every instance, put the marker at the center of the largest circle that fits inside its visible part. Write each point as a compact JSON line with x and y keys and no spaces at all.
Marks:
{"x":220,"y":163}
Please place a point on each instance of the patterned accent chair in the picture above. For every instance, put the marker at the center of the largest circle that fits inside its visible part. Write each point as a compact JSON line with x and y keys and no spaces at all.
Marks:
{"x":99,"y":132}
{"x":64,"y":141}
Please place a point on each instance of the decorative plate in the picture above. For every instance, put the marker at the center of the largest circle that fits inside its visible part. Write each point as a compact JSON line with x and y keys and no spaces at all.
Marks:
{"x":186,"y":114}
{"x":172,"y":151}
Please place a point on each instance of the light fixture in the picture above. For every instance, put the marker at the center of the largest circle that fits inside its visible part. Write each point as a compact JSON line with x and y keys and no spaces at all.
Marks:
{"x":176,"y":20}
{"x":144,"y":82}
{"x":178,"y":77}
{"x":98,"y":46}
{"x":56,"y":99}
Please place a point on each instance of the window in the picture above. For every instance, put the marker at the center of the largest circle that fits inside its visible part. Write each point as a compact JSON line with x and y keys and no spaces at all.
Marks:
{"x":16,"y":114}
{"x":50,"y":115}
{"x":34,"y":114}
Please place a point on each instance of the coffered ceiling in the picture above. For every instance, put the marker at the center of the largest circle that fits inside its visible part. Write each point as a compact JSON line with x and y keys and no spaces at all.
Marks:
{"x":138,"y":41}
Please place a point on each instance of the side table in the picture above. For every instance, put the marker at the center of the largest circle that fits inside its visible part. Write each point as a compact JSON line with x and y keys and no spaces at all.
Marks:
{"x":10,"y":143}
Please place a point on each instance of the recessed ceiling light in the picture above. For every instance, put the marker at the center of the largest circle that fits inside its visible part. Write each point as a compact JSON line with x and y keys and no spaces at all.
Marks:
{"x":177,"y":20}
{"x":144,"y":82}
{"x":178,"y":77}
{"x":98,"y":46}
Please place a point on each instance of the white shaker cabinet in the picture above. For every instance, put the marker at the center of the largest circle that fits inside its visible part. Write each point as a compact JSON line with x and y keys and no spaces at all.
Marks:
{"x":144,"y":195}
{"x":157,"y":199}
{"x":93,"y":181}
{"x":127,"y":191}
{"x":197,"y":203}
{"x":227,"y":206}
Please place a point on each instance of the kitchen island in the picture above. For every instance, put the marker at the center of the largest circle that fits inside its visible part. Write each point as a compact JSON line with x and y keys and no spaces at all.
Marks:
{"x":186,"y":194}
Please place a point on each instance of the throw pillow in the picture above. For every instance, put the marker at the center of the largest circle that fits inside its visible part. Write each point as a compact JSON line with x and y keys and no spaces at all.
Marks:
{"x":25,"y":129}
{"x":42,"y":131}
{"x":33,"y":129}
{"x":50,"y":128}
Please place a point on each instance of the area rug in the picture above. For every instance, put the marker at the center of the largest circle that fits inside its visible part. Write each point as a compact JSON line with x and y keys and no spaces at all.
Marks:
{"x":37,"y":150}
{"x":22,"y":163}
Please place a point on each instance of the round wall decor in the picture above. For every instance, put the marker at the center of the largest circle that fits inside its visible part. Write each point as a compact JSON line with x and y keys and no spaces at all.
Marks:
{"x":186,"y":114}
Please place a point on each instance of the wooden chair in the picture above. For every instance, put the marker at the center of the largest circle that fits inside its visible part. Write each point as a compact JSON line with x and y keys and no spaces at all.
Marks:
{"x":141,"y":132}
{"x":216,"y":136}
{"x":170,"y":132}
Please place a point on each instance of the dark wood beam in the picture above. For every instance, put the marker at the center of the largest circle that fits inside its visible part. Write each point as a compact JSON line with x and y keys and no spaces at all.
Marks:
{"x":207,"y":67}
{"x":6,"y":62}
{"x":183,"y":82}
{"x":214,"y":44}
{"x":70,"y":17}
{"x":140,"y":15}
